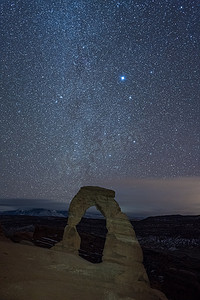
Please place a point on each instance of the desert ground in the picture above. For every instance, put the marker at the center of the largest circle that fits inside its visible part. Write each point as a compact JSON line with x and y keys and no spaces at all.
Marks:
{"x":30,"y":269}
{"x":29,"y":272}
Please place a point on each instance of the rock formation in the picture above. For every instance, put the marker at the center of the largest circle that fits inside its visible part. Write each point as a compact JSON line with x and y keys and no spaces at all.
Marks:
{"x":122,"y":264}
{"x":2,"y":235}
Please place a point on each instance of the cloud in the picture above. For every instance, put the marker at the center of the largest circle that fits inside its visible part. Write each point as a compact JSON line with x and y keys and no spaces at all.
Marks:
{"x":158,"y":196}
{"x":142,"y":197}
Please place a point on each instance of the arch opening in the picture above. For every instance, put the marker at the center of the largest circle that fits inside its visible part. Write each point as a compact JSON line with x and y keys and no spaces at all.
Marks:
{"x":92,"y":231}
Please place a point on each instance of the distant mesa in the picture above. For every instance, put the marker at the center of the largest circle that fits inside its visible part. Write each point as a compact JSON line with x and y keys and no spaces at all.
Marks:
{"x":36,"y":212}
{"x":122,"y":264}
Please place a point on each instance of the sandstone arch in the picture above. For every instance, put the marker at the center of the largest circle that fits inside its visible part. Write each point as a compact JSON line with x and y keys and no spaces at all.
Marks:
{"x":122,"y":270}
{"x":121,"y":245}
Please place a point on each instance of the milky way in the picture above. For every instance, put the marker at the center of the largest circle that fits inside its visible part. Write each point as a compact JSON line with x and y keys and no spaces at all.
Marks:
{"x":97,"y":90}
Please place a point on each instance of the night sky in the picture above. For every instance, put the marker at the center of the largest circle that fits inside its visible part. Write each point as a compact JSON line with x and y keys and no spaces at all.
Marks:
{"x":98,"y":93}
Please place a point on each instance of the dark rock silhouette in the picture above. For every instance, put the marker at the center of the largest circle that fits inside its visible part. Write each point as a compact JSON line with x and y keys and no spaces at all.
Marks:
{"x":2,"y":235}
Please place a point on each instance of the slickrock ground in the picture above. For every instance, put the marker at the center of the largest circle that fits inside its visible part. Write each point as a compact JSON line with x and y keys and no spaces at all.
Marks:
{"x":176,"y":272}
{"x":29,"y":272}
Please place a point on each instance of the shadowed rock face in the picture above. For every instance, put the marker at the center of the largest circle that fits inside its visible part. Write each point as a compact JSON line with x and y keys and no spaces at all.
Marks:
{"x":2,"y":236}
{"x":122,"y":255}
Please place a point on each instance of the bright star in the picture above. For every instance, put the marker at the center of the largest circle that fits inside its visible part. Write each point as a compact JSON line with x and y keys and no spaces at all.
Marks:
{"x":122,"y":78}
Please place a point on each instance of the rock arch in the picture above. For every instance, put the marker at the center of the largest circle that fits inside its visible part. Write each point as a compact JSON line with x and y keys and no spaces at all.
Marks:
{"x":121,"y":245}
{"x":122,"y":269}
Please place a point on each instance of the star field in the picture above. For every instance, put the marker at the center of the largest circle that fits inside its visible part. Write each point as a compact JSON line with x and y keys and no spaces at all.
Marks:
{"x":92,"y":91}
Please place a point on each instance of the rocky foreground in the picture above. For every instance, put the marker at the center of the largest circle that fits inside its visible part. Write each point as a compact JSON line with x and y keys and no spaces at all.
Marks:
{"x":171,"y":246}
